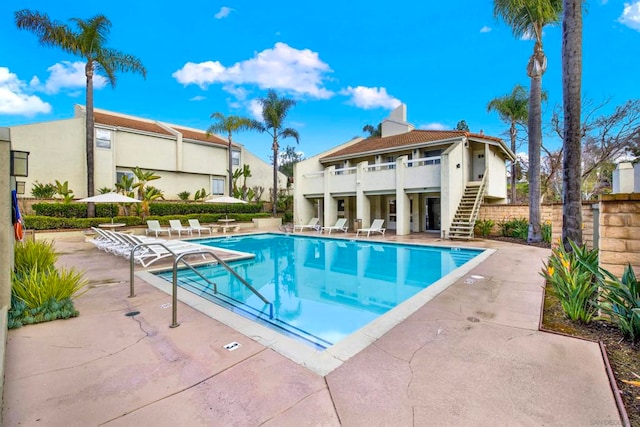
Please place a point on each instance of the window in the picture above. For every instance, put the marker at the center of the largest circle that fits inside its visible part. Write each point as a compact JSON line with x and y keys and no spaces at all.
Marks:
{"x":103,"y":138}
{"x":432,"y":153}
{"x":235,"y":157}
{"x":391,"y":159}
{"x":120,"y":174}
{"x":217,"y":186}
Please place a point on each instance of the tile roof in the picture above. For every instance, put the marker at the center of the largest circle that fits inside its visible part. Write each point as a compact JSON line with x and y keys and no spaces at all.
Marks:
{"x":130,"y":123}
{"x":396,"y":142}
{"x":149,"y":126}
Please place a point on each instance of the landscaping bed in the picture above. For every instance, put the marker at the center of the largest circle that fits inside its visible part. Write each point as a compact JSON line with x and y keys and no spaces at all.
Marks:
{"x":624,"y":357}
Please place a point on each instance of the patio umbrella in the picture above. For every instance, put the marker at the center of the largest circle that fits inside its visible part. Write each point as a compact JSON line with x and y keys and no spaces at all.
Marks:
{"x":226,"y":200}
{"x":109,"y":198}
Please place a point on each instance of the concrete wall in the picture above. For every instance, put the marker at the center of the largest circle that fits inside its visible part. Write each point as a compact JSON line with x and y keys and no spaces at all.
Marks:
{"x":497,"y":179}
{"x":620,"y":232}
{"x":623,"y":178}
{"x":6,"y":247}
{"x":56,"y":153}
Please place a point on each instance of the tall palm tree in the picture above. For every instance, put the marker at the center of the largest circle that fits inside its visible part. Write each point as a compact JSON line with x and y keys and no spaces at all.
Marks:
{"x":274,"y":112}
{"x":571,"y":145}
{"x":527,"y":18}
{"x":513,"y":109}
{"x":88,"y":40}
{"x":231,"y":124}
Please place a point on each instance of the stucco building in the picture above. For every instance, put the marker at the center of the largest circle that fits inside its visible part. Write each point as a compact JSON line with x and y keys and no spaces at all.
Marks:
{"x":185,"y":159}
{"x":416,"y":180}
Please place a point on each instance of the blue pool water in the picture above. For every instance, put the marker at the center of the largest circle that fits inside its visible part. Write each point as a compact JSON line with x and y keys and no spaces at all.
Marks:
{"x":322,"y":289}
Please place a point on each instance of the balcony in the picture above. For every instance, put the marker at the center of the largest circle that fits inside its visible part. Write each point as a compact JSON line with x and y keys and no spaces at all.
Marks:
{"x":417,"y":175}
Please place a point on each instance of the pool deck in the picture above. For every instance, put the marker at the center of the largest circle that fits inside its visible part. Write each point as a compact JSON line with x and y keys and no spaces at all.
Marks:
{"x":473,"y":355}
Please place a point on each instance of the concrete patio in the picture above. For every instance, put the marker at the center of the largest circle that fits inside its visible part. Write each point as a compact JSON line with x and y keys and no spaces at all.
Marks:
{"x":470,"y":357}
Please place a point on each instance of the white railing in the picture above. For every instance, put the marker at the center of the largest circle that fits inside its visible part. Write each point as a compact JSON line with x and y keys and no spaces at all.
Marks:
{"x":345,"y":171}
{"x":379,"y":166}
{"x":424,"y":161}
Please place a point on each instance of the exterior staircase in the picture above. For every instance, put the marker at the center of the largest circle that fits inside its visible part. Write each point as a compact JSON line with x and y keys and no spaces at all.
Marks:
{"x":465,"y":218}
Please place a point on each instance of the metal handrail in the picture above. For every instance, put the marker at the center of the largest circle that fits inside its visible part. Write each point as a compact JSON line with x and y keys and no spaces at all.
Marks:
{"x":177,"y":259}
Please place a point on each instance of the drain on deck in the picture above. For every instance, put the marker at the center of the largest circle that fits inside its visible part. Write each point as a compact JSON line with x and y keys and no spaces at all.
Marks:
{"x":232,"y":346}
{"x":132,"y":313}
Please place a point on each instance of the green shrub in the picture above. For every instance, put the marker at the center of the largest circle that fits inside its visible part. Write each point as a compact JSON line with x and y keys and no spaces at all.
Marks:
{"x":573,"y":279}
{"x":546,"y":230}
{"x":34,"y":254}
{"x":43,"y":191}
{"x":184,"y":195}
{"x":73,"y":210}
{"x":484,"y":226}
{"x":516,"y":227}
{"x":20,"y":314}
{"x":163,"y":209}
{"x":621,"y":301}
{"x":37,"y":286}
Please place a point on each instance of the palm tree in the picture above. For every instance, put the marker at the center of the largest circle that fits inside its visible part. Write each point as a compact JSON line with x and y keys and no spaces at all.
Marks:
{"x":571,"y":145}
{"x":231,"y":124}
{"x":527,"y":18}
{"x":88,"y":41}
{"x":513,"y":109}
{"x":274,"y":112}
{"x":143,"y":179}
{"x":374,"y":132}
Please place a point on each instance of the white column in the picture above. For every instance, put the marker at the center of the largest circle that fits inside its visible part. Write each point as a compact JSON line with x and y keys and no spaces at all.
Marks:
{"x":402,"y":199}
{"x":330,"y":214}
{"x":363,"y":204}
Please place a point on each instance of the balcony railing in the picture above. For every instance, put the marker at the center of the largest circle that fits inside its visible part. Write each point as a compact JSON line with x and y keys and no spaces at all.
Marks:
{"x":423,"y":173}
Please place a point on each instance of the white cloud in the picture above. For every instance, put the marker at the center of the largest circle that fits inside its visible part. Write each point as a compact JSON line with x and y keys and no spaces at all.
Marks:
{"x":224,"y":12}
{"x":300,"y":72}
{"x":485,"y":29}
{"x":370,"y":97}
{"x":198,"y":98}
{"x":255,"y":108}
{"x":433,"y":126}
{"x":15,"y":100}
{"x":67,"y":75}
{"x":631,"y":15}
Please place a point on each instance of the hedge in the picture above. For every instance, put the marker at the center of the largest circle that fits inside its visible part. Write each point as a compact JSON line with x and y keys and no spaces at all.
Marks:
{"x":104,"y":210}
{"x":38,"y":222}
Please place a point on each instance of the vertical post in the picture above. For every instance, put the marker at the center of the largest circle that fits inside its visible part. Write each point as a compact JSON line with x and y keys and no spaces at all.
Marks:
{"x":174,"y":300}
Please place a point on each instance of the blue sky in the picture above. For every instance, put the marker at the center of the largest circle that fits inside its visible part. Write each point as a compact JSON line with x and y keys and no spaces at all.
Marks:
{"x":347,"y":63}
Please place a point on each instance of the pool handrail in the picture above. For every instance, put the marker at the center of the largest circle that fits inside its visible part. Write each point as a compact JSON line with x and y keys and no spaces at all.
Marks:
{"x":176,"y":261}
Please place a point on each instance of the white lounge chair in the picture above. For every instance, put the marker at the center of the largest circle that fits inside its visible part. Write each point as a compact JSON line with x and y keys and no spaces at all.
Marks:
{"x":154,"y":226}
{"x":194,"y":224}
{"x":157,"y":252}
{"x":175,"y":225}
{"x":376,"y":227}
{"x":340,"y":225}
{"x":313,"y":225}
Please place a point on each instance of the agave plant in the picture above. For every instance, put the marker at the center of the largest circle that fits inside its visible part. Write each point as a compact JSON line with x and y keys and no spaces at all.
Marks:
{"x":621,"y":302}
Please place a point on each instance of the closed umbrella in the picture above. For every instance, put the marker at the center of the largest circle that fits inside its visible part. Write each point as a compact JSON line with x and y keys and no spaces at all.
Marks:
{"x":109,"y":198}
{"x":226,"y":200}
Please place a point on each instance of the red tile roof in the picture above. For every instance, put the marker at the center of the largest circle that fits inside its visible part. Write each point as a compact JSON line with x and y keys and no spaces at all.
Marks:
{"x":396,"y":142}
{"x":149,"y":126}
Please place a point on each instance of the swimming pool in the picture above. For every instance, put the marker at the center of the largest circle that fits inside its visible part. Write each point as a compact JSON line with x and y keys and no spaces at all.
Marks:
{"x":322,"y":289}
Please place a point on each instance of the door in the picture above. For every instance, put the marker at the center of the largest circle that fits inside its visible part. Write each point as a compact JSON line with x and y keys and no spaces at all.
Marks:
{"x":432,"y":221}
{"x":478,"y":165}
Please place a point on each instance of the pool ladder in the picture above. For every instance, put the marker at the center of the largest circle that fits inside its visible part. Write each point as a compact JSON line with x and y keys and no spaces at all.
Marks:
{"x":179,"y":258}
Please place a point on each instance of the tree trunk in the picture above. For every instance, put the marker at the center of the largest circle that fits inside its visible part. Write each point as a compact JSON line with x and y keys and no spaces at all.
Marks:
{"x":275,"y":174}
{"x":571,"y":146}
{"x":230,"y":168}
{"x":89,"y":122}
{"x":535,"y":143}
{"x":512,"y":133}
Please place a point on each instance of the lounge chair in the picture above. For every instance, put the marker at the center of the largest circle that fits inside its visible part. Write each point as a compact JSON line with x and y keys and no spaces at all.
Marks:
{"x":194,"y":224}
{"x":312,"y":225}
{"x":340,"y":225}
{"x":175,"y":225}
{"x":154,"y":226}
{"x":157,"y":252}
{"x":376,"y":227}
